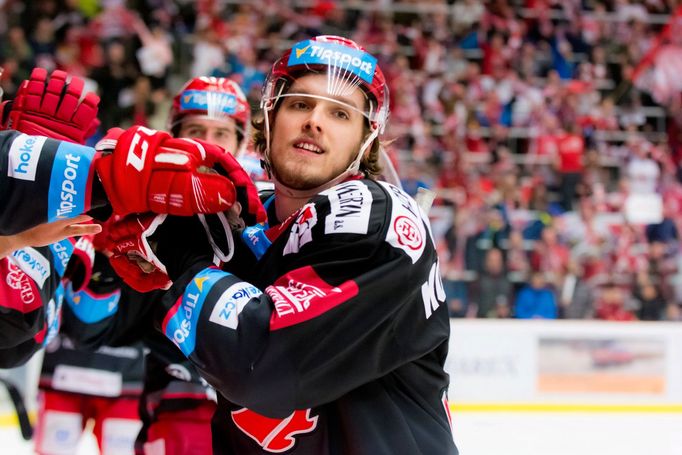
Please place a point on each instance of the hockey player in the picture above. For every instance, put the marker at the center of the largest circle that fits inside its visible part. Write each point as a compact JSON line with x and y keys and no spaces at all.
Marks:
{"x":45,"y":180}
{"x":77,"y":385}
{"x":177,"y":404}
{"x":334,"y":341}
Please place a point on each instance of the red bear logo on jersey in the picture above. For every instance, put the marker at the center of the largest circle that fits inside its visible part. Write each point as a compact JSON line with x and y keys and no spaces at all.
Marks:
{"x":274,"y":435}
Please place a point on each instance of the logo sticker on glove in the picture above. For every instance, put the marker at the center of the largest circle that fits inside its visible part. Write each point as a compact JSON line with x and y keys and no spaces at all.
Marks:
{"x":135,"y":160}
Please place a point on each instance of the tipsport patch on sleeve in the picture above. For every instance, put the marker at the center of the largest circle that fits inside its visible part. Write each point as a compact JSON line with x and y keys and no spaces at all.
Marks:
{"x":354,"y":61}
{"x":68,"y":181}
{"x":61,"y":252}
{"x":180,"y":324}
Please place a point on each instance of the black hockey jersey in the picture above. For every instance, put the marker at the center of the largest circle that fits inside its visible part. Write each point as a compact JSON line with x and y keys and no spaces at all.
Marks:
{"x":41,"y":180}
{"x":169,"y":381}
{"x":335,"y":342}
{"x":105,"y":371}
{"x":31,"y":296}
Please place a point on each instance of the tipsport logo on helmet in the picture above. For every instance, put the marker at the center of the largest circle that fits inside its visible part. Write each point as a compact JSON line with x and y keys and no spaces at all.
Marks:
{"x":352,"y":60}
{"x":201,"y":100}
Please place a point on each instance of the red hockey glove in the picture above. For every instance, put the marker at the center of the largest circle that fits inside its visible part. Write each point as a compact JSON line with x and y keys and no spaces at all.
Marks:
{"x":133,"y":258}
{"x":149,"y":171}
{"x":134,"y":240}
{"x":52,"y":107}
{"x":248,"y":206}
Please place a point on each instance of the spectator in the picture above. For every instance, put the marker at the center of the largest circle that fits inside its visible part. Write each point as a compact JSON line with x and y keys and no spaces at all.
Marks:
{"x":611,"y":304}
{"x":492,"y":290}
{"x":536,"y":300}
{"x":650,"y":302}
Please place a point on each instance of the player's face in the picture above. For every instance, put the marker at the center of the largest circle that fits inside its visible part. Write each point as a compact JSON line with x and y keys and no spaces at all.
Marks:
{"x":314,"y":140}
{"x":221,"y":132}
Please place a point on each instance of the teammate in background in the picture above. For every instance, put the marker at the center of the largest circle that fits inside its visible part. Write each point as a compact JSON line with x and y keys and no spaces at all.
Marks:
{"x":77,"y":385}
{"x":216,"y":110}
{"x":177,"y":405}
{"x":334,"y":341}
{"x":44,"y":180}
{"x":63,"y":180}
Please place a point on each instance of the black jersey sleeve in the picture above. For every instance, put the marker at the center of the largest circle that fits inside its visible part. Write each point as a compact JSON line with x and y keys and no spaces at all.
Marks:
{"x":42,"y":180}
{"x":347,"y":293}
{"x":108,"y":312}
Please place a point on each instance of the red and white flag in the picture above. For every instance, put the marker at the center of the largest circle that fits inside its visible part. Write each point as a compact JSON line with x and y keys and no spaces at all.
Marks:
{"x":659,"y":70}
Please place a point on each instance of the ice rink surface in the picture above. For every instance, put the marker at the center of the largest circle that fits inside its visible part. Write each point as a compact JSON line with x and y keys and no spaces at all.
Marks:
{"x":518,"y":433}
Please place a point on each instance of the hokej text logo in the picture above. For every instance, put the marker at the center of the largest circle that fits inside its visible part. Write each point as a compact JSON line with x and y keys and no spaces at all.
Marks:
{"x":23,"y":157}
{"x":231,"y":303}
{"x":33,"y":264}
{"x":352,"y":60}
{"x":213,"y":102}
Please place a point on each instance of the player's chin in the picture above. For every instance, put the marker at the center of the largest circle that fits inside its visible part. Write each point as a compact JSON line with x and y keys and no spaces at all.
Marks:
{"x":298,"y":180}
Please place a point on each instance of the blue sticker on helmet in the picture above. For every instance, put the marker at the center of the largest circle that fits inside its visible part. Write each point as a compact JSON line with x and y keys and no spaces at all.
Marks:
{"x":214,"y":102}
{"x":352,"y":60}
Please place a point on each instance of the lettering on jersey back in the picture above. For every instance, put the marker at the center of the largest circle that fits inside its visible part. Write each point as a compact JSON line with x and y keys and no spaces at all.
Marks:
{"x":301,"y":295}
{"x":433,"y":293}
{"x":350,"y":206}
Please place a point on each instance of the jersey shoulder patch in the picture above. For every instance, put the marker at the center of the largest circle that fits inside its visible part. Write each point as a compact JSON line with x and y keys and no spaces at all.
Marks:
{"x":407,"y":228}
{"x":350,"y":205}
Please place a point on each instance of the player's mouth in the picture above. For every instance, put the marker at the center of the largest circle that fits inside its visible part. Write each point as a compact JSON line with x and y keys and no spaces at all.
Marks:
{"x":309,"y":146}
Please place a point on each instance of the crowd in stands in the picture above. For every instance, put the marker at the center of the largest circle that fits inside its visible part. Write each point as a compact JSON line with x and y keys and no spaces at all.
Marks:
{"x":557,"y":182}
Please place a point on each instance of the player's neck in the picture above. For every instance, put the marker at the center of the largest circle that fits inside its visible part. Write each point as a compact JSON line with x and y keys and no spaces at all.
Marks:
{"x":286,"y":203}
